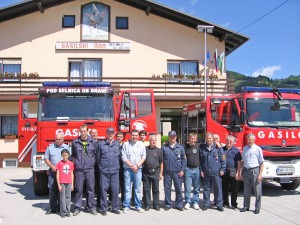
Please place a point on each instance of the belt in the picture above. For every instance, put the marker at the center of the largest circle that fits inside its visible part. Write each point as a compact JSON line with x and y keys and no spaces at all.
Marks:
{"x":151,"y":170}
{"x":251,"y":168}
{"x":192,"y":167}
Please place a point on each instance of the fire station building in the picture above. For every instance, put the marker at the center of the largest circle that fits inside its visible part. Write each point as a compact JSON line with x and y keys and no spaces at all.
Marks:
{"x":134,"y":44}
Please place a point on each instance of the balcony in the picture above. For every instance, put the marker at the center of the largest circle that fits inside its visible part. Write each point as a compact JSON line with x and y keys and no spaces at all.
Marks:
{"x":171,"y":89}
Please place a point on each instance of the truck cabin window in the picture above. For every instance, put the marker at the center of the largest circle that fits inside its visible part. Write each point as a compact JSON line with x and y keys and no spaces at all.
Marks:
{"x":273,"y":112}
{"x":76,"y":107}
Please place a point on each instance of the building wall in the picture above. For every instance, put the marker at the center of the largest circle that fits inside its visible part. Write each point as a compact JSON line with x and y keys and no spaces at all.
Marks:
{"x":153,"y":39}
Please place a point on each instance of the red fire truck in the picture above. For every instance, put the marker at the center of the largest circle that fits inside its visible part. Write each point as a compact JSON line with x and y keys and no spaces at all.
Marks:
{"x":65,"y":106}
{"x":272,"y":115}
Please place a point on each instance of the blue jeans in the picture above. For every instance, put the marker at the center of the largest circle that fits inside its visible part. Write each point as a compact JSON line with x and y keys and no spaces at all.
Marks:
{"x":136,"y":178}
{"x":192,"y":179}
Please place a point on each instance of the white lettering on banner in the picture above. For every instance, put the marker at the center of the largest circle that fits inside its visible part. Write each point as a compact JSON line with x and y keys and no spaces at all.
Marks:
{"x":76,"y":90}
{"x":279,"y":134}
{"x":119,"y":46}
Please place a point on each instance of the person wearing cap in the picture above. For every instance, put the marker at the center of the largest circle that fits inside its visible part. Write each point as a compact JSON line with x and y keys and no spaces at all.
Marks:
{"x":133,"y":156}
{"x":108,"y":160}
{"x":174,"y":166}
{"x":213,"y":166}
{"x":84,"y":158}
{"x":52,"y":157}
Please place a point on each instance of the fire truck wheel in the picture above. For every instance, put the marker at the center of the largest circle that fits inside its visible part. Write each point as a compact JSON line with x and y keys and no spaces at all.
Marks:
{"x":40,"y":183}
{"x":291,"y":186}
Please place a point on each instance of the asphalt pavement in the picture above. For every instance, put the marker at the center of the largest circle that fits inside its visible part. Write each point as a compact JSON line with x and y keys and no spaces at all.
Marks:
{"x":20,"y":206}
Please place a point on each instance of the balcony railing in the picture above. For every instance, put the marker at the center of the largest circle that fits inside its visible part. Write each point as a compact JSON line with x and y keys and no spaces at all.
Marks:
{"x":164,"y":88}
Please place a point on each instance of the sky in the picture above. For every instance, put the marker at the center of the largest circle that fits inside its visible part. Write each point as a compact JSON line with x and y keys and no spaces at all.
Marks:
{"x":274,"y":32}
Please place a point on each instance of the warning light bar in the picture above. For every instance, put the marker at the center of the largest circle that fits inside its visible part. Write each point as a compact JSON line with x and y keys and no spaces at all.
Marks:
{"x":271,"y":90}
{"x":77,"y":84}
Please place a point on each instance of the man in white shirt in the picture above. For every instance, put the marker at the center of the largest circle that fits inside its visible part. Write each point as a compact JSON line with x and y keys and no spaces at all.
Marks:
{"x":252,"y":168}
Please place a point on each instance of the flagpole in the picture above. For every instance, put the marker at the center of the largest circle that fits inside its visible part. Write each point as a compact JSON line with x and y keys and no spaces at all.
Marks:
{"x":206,"y":29}
{"x":205,"y":59}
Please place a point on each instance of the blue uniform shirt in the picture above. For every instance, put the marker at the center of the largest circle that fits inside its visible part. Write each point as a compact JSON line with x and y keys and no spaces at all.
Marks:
{"x":233,"y":155}
{"x":213,"y":160}
{"x":53,"y":153}
{"x":83,"y":159}
{"x":108,"y":156}
{"x":174,"y":158}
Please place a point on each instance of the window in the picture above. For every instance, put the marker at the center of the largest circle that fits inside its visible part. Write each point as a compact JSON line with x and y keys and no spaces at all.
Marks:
{"x":9,"y":163}
{"x":9,"y":124}
{"x":121,"y":22}
{"x":91,"y":68}
{"x":68,"y":21}
{"x":11,"y":67}
{"x":182,"y":67}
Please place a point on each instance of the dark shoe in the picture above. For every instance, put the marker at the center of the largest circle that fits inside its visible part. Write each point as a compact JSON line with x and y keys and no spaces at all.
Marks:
{"x":63,"y":215}
{"x":116,"y":212}
{"x":94,"y":212}
{"x":76,"y":212}
{"x":50,"y":211}
{"x":157,"y":208}
{"x":256,"y":211}
{"x":244,"y":209}
{"x":235,"y":208}
{"x":221,"y":209}
{"x":103,"y":213}
{"x":204,"y":208}
{"x":225,"y":205}
{"x":179,"y":208}
{"x":147,"y":208}
{"x":167,"y":208}
{"x":68,"y":214}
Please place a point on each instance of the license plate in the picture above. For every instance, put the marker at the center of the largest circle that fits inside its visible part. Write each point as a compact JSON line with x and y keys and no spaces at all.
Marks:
{"x":285,"y":170}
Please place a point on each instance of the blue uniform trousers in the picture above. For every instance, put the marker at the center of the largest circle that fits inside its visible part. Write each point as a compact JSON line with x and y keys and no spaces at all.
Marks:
{"x":53,"y":191}
{"x":168,"y":178}
{"x":86,"y":177}
{"x":208,"y":181}
{"x":109,"y":180}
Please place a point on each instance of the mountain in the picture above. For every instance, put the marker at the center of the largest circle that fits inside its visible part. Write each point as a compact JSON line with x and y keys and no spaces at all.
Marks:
{"x":242,"y":80}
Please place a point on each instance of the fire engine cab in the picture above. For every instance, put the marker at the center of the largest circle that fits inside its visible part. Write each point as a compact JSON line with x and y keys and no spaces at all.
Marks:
{"x":272,"y":115}
{"x":65,"y":106}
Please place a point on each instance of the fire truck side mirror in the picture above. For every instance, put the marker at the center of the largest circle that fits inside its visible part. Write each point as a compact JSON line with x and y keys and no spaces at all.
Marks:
{"x":242,"y":117}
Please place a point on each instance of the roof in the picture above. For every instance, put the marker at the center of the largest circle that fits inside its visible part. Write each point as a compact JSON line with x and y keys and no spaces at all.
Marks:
{"x":233,"y":40}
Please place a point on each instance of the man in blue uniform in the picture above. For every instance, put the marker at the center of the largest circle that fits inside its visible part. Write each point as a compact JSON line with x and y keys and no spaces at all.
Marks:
{"x":52,"y":157}
{"x":174,"y":165}
{"x":83,"y":154}
{"x":213,"y":165}
{"x":231,"y":175}
{"x":108,"y":158}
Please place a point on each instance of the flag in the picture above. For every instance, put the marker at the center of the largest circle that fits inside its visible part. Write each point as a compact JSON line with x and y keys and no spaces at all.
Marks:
{"x":216,"y":60}
{"x":207,"y":57}
{"x":221,"y":63}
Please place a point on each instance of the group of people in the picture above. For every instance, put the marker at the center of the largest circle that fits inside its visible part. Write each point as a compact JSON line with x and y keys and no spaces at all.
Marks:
{"x":105,"y":167}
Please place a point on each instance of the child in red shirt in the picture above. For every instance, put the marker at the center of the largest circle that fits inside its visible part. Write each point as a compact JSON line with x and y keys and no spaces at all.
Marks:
{"x":65,"y":181}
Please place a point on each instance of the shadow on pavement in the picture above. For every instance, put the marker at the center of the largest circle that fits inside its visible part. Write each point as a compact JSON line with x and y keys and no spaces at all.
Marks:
{"x":25,"y":188}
